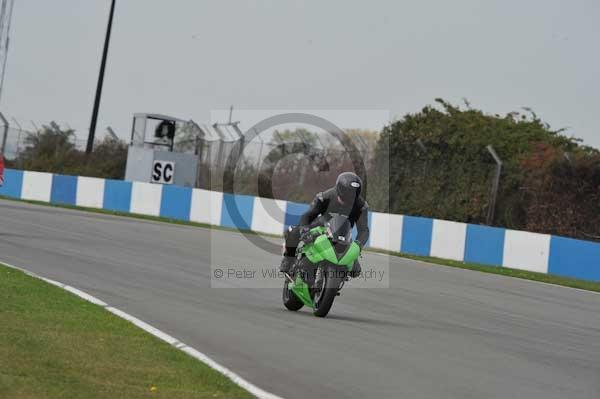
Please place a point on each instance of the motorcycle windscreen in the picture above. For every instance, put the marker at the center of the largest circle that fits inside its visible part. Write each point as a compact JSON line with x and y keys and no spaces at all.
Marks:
{"x":339,"y":229}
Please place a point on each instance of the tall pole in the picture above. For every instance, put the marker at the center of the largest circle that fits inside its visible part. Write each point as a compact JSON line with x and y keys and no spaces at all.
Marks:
{"x":495,"y":185}
{"x":90,"y":142}
{"x":6,"y":39}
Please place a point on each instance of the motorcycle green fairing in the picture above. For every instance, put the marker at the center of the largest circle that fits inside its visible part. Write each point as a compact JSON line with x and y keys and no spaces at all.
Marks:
{"x":321,"y":249}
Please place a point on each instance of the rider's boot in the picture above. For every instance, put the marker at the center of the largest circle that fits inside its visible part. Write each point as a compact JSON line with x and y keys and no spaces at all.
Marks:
{"x":356,"y":270}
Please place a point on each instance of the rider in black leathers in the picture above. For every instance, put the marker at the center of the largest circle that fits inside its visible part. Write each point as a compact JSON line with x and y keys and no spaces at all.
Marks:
{"x":342,"y":199}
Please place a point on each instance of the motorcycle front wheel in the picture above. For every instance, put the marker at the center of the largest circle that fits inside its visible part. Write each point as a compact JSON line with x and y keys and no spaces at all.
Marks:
{"x":328,"y":280}
{"x":290,"y":300}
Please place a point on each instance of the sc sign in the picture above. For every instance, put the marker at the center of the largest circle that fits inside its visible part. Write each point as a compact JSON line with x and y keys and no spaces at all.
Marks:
{"x":163,"y":172}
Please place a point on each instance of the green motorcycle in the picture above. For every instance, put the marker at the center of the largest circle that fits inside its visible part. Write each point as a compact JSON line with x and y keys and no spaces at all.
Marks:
{"x":325,"y":256}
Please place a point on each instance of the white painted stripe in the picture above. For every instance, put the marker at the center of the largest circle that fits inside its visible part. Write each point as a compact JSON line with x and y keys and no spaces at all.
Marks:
{"x":85,"y":295}
{"x":253,"y":389}
{"x":386,"y":231}
{"x":143,"y":325}
{"x":145,"y":198}
{"x":90,"y":192}
{"x":448,"y":240}
{"x":56,"y":283}
{"x":37,"y":186}
{"x":526,"y":251}
{"x":237,"y":379}
{"x":206,"y":206}
{"x":268,"y":215}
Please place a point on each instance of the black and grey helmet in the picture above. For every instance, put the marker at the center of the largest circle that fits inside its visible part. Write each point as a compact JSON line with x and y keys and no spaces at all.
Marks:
{"x":348,"y":187}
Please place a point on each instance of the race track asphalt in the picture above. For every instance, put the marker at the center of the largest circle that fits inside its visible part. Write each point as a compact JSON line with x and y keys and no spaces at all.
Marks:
{"x":436,"y":332}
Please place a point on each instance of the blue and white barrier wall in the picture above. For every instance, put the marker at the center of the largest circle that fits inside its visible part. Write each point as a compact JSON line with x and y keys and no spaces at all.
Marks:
{"x":412,"y":235}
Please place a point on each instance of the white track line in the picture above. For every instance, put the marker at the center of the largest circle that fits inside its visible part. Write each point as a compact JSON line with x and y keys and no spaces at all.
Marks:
{"x":248,"y":386}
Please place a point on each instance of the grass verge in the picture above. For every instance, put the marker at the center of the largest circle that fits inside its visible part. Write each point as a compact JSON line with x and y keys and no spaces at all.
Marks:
{"x":504,"y":271}
{"x":56,"y":345}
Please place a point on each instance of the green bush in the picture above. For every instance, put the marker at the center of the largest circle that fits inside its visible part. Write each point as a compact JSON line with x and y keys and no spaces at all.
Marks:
{"x":52,"y":150}
{"x":439,"y":167}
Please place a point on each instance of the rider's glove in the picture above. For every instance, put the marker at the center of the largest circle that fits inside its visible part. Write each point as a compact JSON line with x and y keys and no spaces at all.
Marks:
{"x":306,"y":236}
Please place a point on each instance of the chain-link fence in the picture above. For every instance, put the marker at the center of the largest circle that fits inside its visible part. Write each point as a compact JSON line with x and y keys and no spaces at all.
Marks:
{"x":435,"y":181}
{"x":280,"y":164}
{"x":16,"y":133}
{"x":14,"y":139}
{"x":423,"y":181}
{"x":293,"y":156}
{"x":295,"y":164}
{"x":547,"y":191}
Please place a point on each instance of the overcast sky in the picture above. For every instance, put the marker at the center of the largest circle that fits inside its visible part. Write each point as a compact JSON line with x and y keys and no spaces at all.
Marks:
{"x":188,"y":57}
